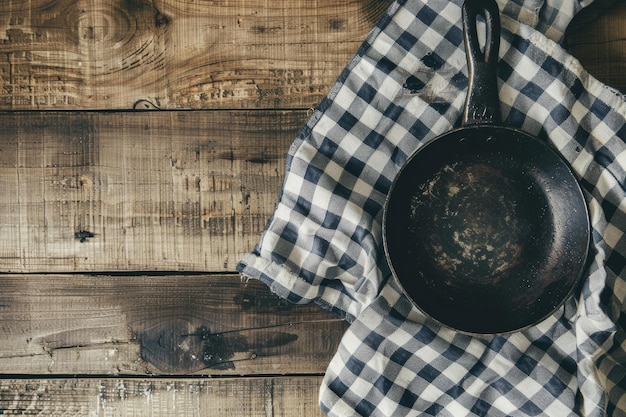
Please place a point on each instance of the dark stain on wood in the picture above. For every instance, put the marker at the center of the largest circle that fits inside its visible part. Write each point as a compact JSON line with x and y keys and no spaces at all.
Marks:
{"x":172,"y":348}
{"x":262,"y":302}
{"x":144,"y":104}
{"x":161,"y":20}
{"x":83,"y":235}
{"x":337,"y":24}
{"x":218,"y":348}
{"x":264,"y":30}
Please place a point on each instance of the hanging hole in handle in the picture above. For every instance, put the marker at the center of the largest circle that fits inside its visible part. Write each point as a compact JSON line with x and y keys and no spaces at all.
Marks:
{"x":481,"y":39}
{"x":481,"y":35}
{"x":481,"y":19}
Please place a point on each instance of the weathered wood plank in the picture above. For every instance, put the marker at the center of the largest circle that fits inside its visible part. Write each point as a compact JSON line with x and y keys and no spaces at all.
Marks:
{"x":108,"y":54}
{"x":597,"y":37}
{"x":158,"y":325}
{"x":241,"y":397}
{"x":94,"y":191}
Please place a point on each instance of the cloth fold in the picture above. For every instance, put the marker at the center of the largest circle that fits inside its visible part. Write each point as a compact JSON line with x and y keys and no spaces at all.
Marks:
{"x":323,"y":244}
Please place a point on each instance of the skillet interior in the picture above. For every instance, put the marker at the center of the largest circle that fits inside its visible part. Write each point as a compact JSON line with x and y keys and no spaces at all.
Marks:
{"x":486,"y":229}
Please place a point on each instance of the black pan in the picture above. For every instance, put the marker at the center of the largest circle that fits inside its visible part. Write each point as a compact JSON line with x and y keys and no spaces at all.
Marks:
{"x":485,"y":227}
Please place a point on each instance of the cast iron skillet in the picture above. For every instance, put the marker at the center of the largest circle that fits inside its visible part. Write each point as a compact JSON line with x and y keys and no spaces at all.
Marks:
{"x":485,"y":227}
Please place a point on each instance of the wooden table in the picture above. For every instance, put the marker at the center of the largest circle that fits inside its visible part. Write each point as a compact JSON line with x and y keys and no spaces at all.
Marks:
{"x":121,"y":227}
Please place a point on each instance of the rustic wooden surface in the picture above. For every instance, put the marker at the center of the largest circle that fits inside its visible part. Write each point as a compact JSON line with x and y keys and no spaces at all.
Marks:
{"x":123,"y":397}
{"x":158,"y":324}
{"x":162,"y":190}
{"x":86,"y":54}
{"x":121,"y":228}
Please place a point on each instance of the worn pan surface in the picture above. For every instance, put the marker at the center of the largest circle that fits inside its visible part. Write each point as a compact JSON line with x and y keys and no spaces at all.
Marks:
{"x":485,"y":227}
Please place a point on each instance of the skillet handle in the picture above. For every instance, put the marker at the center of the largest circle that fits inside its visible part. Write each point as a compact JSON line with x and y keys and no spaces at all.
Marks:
{"x":482,"y":105}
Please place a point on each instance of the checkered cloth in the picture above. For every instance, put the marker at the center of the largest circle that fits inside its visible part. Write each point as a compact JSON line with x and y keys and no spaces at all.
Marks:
{"x":406,"y":85}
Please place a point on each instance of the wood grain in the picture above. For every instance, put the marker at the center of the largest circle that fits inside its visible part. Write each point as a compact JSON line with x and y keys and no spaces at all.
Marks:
{"x":119,"y":397}
{"x":159,"y":190}
{"x":597,"y":37}
{"x":158,"y":325}
{"x":108,"y":54}
{"x":176,"y":54}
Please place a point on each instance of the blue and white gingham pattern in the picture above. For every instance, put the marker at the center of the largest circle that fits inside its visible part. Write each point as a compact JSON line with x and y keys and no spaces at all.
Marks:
{"x":405,"y":86}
